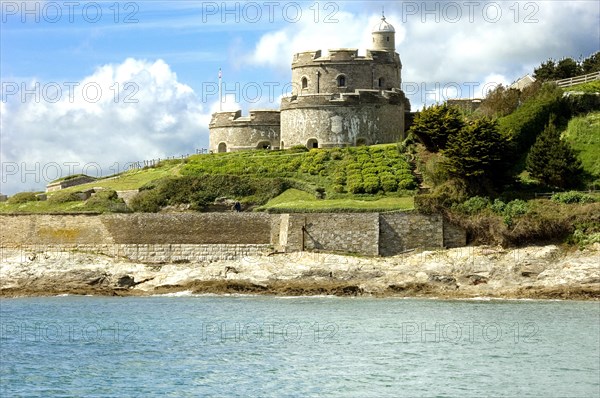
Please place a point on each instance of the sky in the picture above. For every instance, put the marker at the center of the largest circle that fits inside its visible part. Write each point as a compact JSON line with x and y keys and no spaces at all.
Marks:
{"x":93,"y":87}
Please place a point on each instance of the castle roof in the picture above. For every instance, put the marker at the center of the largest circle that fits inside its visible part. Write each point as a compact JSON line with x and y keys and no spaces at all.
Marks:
{"x":383,"y":26}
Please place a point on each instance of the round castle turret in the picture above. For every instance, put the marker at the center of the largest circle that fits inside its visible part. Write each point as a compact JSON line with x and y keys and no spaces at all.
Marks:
{"x":384,"y":36}
{"x":344,"y":99}
{"x":340,"y":99}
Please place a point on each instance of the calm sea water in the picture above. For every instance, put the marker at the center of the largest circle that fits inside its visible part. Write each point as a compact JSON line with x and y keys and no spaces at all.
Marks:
{"x":297,"y":347}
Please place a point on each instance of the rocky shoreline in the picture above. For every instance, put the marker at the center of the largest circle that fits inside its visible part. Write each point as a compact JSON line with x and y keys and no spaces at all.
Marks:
{"x":535,"y":272}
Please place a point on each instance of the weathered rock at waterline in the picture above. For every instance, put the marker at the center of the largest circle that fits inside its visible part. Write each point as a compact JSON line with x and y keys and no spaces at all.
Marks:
{"x":532,"y":272}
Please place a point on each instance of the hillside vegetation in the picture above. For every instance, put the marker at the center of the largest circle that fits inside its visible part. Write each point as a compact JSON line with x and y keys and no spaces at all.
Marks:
{"x":342,"y":179}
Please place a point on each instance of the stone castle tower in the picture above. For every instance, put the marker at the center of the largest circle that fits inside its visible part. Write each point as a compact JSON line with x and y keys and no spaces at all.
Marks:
{"x":337,"y":100}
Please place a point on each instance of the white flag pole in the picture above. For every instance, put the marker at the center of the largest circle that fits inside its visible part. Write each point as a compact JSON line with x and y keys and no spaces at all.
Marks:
{"x":220,"y":97}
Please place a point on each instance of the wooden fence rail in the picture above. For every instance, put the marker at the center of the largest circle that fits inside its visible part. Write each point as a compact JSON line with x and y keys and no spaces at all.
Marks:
{"x":571,"y":81}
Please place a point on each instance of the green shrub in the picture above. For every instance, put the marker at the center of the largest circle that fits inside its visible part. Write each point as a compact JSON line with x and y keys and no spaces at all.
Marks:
{"x":371,"y":184}
{"x":106,"y":201}
{"x":407,"y":183}
{"x":146,"y":201}
{"x":572,"y":197}
{"x":388,"y":182}
{"x":22,"y":197}
{"x":64,"y":197}
{"x":498,"y":206}
{"x":298,"y":148}
{"x":513,"y":209}
{"x":354,"y":183}
{"x":473,"y":205}
{"x":338,"y":188}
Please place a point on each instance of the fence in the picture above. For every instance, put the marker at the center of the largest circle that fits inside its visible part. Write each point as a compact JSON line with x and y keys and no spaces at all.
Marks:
{"x":571,"y":81}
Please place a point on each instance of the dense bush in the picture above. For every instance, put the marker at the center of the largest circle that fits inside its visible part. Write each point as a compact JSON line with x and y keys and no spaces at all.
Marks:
{"x":106,"y":201}
{"x":572,"y":197}
{"x":22,"y":197}
{"x":199,"y":191}
{"x":473,"y":205}
{"x":64,"y":197}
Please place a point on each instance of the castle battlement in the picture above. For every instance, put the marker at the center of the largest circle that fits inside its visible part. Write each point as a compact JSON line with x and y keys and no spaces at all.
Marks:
{"x":341,"y":55}
{"x":235,"y":118}
{"x":359,"y":96}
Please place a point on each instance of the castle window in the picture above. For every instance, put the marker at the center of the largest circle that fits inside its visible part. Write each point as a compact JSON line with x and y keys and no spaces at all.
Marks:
{"x":387,"y":38}
{"x":380,"y":82}
{"x":341,"y":81}
{"x":304,"y":82}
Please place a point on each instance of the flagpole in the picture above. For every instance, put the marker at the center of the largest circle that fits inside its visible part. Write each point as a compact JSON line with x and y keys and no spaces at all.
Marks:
{"x":220,"y":97}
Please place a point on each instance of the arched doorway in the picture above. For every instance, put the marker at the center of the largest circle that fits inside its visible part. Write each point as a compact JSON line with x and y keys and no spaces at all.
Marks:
{"x":222,"y":147}
{"x":312,"y":143}
{"x":264,"y":145}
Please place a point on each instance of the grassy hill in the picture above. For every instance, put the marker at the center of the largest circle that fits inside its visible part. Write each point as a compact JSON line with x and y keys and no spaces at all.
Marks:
{"x":583,"y":133}
{"x":342,"y":179}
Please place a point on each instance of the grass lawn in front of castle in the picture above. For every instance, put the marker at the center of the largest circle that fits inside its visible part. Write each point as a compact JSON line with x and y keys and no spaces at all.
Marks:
{"x":294,"y":200}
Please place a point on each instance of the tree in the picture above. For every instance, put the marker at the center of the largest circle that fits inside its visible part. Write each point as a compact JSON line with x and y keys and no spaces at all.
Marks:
{"x":591,"y":64}
{"x":552,"y":161}
{"x":500,"y":101}
{"x":567,"y":67}
{"x":433,"y":125}
{"x":545,"y":71}
{"x":477,"y":154}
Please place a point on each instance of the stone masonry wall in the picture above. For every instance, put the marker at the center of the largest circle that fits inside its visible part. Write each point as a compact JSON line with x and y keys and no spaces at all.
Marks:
{"x":342,"y":124}
{"x":349,"y":233}
{"x":403,"y":231}
{"x":171,"y":237}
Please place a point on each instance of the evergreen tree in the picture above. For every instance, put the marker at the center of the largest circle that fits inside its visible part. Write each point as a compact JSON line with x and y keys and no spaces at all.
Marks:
{"x":546,"y":71}
{"x":433,"y":125}
{"x":567,"y":67}
{"x":553,"y":161}
{"x":477,"y":154}
{"x":591,"y":64}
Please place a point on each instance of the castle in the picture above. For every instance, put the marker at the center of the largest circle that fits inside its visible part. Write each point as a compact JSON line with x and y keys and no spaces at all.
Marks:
{"x":340,"y":99}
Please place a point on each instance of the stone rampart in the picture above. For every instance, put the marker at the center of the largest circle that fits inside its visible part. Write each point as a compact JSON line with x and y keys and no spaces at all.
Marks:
{"x":230,"y":131}
{"x":173,"y":237}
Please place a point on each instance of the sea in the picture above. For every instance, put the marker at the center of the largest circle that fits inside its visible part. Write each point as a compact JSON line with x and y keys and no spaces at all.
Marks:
{"x":185,"y":345}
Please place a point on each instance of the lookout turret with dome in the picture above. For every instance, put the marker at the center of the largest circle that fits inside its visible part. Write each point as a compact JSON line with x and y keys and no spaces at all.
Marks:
{"x":338,"y":99}
{"x":384,"y":36}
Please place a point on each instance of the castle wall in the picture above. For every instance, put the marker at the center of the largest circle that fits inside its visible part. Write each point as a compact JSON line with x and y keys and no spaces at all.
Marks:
{"x":230,"y":131}
{"x":348,"y":121}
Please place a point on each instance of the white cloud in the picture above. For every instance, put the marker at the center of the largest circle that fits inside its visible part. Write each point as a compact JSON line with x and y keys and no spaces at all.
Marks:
{"x":121,"y":113}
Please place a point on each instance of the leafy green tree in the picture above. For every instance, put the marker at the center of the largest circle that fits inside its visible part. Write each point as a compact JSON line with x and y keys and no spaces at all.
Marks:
{"x":434,"y":125}
{"x":477,"y":154}
{"x":591,"y":64}
{"x":552,"y":161}
{"x":567,"y":67}
{"x":546,"y":71}
{"x":500,"y":101}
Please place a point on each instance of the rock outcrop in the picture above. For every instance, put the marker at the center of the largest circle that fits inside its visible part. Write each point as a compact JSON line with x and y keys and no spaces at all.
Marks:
{"x":531,"y":272}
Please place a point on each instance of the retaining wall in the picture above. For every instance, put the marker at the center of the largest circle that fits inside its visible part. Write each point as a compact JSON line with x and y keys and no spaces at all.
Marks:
{"x":171,"y":237}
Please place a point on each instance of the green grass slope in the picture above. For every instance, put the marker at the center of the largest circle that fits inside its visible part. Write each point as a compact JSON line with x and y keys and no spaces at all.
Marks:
{"x":343,"y":179}
{"x":583,"y":133}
